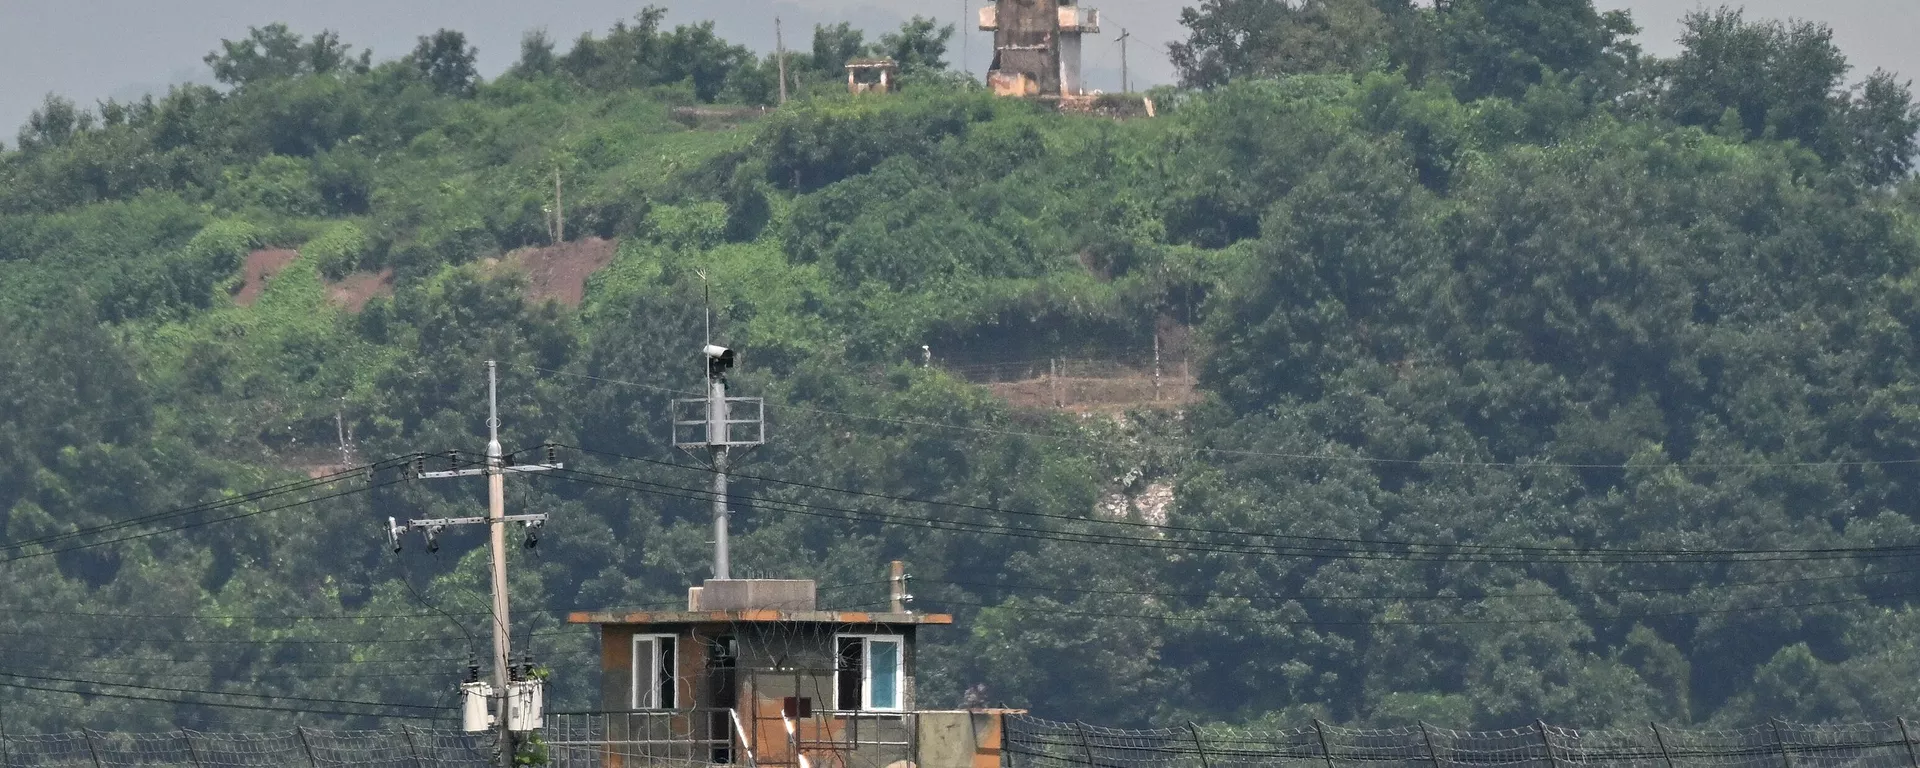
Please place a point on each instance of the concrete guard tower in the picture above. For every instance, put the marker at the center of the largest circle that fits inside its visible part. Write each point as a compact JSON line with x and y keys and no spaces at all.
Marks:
{"x":873,"y":76}
{"x":1036,"y":46}
{"x":755,"y":673}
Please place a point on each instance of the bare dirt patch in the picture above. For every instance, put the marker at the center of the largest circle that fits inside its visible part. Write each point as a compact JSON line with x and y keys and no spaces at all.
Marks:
{"x":355,"y":290}
{"x":560,"y":272}
{"x":261,"y":266}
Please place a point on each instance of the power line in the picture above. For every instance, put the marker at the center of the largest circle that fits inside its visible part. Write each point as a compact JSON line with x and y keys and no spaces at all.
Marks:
{"x":199,"y":523}
{"x":218,"y":705}
{"x":1527,"y":465}
{"x":89,"y":655}
{"x":257,"y":495}
{"x":1186,"y":545}
{"x":236,"y":694}
{"x":1254,"y":534}
{"x":1410,"y":597}
{"x":263,"y":641}
{"x":1434,"y":622}
{"x":291,"y":677}
{"x":232,"y":617}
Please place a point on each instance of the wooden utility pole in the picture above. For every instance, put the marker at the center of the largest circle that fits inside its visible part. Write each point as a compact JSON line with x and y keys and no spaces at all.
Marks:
{"x":559,"y":212}
{"x":1126,"y":86}
{"x":780,"y":53}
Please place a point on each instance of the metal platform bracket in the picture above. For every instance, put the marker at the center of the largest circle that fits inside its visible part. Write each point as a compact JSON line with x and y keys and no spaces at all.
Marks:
{"x":743,"y":423}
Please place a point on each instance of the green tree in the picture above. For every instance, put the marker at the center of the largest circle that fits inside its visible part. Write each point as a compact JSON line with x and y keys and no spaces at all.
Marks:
{"x":446,"y":62}
{"x":1503,"y":47}
{"x":1778,"y":80}
{"x":56,"y":122}
{"x":833,"y":46}
{"x":919,"y":45}
{"x":1883,"y":129}
{"x":274,"y":52}
{"x":1230,"y":39}
{"x":536,"y":55}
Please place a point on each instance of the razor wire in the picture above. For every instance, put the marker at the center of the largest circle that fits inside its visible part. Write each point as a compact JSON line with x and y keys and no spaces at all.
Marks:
{"x":1033,"y":742}
{"x":406,"y":747}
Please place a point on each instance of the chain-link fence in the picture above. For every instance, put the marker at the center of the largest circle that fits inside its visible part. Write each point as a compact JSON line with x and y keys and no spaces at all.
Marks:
{"x":1083,"y":384}
{"x":406,"y":747}
{"x":1037,"y":743}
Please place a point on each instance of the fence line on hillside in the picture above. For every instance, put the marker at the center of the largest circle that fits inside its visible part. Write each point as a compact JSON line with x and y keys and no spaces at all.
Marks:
{"x":1037,"y":743}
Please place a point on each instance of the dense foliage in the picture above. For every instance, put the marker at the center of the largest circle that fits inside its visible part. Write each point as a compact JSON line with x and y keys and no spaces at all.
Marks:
{"x":1482,"y":275}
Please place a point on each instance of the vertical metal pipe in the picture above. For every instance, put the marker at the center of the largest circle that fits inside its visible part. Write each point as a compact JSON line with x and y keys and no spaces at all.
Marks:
{"x":717,"y":445}
{"x":87,"y":733}
{"x":1907,"y":739}
{"x":1541,"y":727}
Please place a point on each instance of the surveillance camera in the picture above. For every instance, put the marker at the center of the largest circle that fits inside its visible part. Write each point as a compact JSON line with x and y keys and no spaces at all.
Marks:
{"x":719,"y":359}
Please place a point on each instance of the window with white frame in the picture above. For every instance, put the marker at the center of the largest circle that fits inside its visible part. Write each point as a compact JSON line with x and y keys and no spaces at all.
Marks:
{"x":653,"y":672}
{"x":871,"y":672}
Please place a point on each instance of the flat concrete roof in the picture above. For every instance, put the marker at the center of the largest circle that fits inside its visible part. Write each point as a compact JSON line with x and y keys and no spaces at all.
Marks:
{"x":762,"y":615}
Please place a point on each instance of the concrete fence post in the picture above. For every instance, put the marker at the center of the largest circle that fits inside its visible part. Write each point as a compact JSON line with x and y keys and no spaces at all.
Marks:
{"x":1053,"y":379}
{"x":1661,"y":741}
{"x":1907,"y":739}
{"x":1320,"y":731}
{"x":1156,"y":365}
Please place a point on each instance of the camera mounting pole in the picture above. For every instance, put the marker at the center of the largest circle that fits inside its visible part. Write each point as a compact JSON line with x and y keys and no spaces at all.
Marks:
{"x":719,"y":424}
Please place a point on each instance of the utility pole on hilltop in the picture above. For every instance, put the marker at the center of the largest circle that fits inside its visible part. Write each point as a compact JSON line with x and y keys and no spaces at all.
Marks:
{"x":966,"y":41}
{"x":518,"y":702}
{"x":1126,"y":86}
{"x":780,"y":53}
{"x":719,"y":424}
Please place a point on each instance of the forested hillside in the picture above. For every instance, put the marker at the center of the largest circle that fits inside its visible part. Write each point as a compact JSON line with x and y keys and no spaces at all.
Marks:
{"x":1539,"y":378}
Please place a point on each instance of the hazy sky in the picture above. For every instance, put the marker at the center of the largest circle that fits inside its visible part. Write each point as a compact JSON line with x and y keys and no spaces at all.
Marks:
{"x":94,"y":49}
